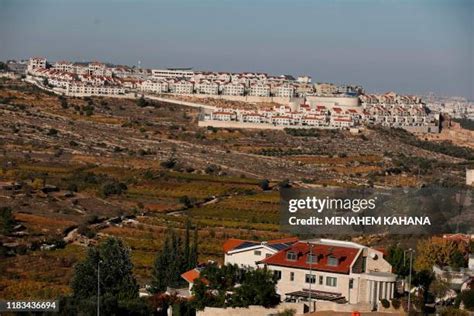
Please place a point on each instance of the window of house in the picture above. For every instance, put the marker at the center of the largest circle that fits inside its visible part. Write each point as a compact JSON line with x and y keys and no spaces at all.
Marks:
{"x":268,"y":255}
{"x":321,"y":280}
{"x":330,"y":281}
{"x":290,"y":255}
{"x":312,"y":258}
{"x":292,"y":276}
{"x":257,"y":253}
{"x":310,"y":278}
{"x":333,"y":261}
{"x":277,"y":274}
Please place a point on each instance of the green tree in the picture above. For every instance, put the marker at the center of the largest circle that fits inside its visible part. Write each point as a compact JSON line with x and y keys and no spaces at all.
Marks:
{"x":193,"y":252}
{"x":396,"y":258}
{"x":6,"y":220}
{"x":161,"y":266}
{"x":116,"y":277}
{"x":176,"y":257}
{"x":186,"y":201}
{"x":214,"y":284}
{"x":257,"y":288}
{"x":113,"y":187}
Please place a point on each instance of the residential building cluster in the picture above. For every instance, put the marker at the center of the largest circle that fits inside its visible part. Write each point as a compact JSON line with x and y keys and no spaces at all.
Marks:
{"x":178,"y":81}
{"x":320,"y":105}
{"x":390,"y":110}
{"x":319,"y":269}
{"x":454,"y":107}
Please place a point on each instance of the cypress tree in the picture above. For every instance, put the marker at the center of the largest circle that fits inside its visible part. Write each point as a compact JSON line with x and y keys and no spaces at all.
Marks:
{"x":174,"y":259}
{"x":187,"y":250}
{"x":193,"y":257}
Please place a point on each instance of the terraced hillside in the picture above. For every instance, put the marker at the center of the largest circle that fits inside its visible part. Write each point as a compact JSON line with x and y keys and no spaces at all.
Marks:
{"x":74,"y":170}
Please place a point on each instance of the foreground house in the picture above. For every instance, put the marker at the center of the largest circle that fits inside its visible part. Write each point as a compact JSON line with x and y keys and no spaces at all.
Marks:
{"x":333,"y":270}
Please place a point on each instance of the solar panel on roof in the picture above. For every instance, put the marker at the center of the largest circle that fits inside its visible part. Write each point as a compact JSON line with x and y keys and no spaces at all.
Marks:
{"x":279,"y":246}
{"x":246,"y":245}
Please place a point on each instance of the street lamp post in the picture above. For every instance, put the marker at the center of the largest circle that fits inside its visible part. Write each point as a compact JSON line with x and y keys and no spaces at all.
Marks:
{"x":409,"y":277}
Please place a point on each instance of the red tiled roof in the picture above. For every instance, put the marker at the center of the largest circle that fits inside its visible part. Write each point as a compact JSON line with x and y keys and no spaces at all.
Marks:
{"x":191,"y":275}
{"x":283,"y":240}
{"x":345,"y":255}
{"x":232,"y":243}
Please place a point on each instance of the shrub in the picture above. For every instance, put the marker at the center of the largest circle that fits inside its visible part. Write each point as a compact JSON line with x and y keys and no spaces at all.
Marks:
{"x":141,"y":102}
{"x":169,"y":163}
{"x":265,"y":184}
{"x":64,"y":104}
{"x":6,"y":220}
{"x":284,"y":184}
{"x":211,"y":169}
{"x":451,"y":311}
{"x":385,"y":303}
{"x":86,"y":231}
{"x":72,"y":187}
{"x":92,"y":219}
{"x":396,"y":303}
{"x":52,"y":132}
{"x":57,"y":241}
{"x":287,"y":312}
{"x":113,"y":188}
{"x":186,"y":201}
{"x":467,"y":298}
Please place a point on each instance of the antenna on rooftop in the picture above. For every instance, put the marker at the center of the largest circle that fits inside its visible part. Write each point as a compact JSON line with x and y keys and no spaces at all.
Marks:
{"x":139,"y":63}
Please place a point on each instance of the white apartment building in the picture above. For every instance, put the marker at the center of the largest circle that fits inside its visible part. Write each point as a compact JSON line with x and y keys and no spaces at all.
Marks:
{"x":259,"y":90}
{"x":207,"y":87}
{"x":181,"y":87}
{"x":154,"y":86}
{"x":96,"y":69}
{"x":254,"y":118}
{"x":233,"y":89}
{"x":332,"y":270}
{"x":281,"y":120}
{"x":64,"y":66}
{"x":284,"y":91}
{"x":36,"y":63}
{"x":223,"y":116}
{"x":170,"y":73}
{"x":341,"y":122}
{"x":315,"y":120}
{"x":88,"y":90}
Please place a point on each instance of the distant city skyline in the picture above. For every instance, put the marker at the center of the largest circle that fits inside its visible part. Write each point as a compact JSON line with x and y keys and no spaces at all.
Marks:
{"x":412,"y":47}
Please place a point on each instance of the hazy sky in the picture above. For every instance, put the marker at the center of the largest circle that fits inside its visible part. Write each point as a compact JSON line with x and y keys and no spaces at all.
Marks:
{"x":407,"y":46}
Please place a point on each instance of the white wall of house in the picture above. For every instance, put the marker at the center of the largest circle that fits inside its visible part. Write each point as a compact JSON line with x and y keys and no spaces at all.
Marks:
{"x":247,"y":258}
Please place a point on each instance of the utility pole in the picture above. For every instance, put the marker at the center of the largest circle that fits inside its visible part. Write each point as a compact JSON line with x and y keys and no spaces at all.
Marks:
{"x":409,"y":277}
{"x":310,"y":261}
